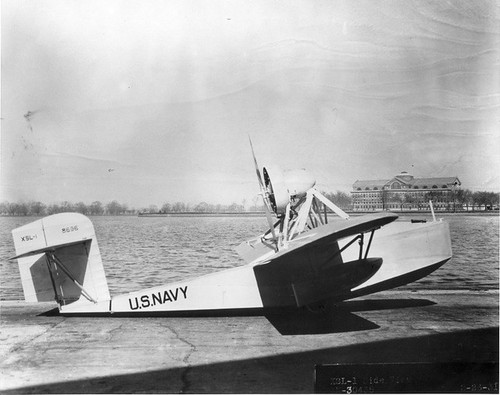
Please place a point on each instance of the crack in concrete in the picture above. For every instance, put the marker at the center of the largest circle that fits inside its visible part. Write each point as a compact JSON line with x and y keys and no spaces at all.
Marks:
{"x":25,"y":344}
{"x":185,"y":372}
{"x":111,"y":332}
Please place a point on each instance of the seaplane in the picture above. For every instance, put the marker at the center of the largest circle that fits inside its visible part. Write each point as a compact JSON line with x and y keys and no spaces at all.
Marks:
{"x":313,"y":254}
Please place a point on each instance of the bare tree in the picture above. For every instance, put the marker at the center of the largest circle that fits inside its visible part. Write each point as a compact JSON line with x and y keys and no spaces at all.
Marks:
{"x":96,"y":208}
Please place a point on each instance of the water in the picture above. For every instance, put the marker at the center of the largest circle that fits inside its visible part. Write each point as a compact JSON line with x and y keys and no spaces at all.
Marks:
{"x":144,"y":252}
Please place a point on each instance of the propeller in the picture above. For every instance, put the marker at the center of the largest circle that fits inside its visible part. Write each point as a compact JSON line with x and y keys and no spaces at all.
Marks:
{"x":263,"y":192}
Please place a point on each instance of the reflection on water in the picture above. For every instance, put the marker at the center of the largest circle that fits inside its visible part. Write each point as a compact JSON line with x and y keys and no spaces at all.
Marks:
{"x":143,"y":252}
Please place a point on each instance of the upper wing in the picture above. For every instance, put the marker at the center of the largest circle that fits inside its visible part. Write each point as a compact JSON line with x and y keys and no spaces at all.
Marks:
{"x":312,"y":269}
{"x":255,"y":249}
{"x":324,"y":235}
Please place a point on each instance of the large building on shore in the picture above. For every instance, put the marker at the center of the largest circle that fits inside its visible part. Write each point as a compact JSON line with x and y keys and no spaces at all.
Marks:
{"x":405,"y":192}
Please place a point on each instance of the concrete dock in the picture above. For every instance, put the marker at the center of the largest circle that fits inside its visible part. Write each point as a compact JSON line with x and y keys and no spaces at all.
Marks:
{"x":44,"y":353}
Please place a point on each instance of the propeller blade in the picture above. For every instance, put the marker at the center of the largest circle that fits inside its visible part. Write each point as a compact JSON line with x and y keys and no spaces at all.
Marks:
{"x":259,"y":177}
{"x":263,"y":192}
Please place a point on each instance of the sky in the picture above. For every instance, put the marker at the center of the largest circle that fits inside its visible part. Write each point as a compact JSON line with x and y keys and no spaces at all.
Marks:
{"x":147,"y":102}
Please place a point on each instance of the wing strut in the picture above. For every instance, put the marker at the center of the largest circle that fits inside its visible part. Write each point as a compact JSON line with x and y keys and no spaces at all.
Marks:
{"x":369,"y":242}
{"x":51,"y":256}
{"x":360,"y":239}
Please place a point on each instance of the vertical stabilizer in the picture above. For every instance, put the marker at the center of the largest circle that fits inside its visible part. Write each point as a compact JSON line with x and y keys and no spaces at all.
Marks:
{"x":59,"y":259}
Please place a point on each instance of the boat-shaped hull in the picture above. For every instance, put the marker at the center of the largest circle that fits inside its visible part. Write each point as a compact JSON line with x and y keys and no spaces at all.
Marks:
{"x":410,"y":251}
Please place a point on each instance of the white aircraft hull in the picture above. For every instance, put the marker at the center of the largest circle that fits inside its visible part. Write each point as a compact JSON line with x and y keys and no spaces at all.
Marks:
{"x":410,"y":251}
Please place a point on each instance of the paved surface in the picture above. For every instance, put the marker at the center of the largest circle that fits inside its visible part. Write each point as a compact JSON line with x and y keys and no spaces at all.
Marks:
{"x":43,"y":353}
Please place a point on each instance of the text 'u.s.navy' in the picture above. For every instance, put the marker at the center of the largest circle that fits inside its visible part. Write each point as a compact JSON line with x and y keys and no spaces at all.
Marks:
{"x":169,"y":295}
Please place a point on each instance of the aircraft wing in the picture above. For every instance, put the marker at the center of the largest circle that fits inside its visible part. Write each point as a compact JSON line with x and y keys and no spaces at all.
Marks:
{"x":312,"y":269}
{"x":253,"y":249}
{"x":326,"y":234}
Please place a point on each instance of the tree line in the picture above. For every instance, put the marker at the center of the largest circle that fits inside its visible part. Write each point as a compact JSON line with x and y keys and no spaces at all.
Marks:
{"x":36,"y":208}
{"x":478,"y":199}
{"x":461,"y":198}
{"x":39,"y":209}
{"x":456,"y":200}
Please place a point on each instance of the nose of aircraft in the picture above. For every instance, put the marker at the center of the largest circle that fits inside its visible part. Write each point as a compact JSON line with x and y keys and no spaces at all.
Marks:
{"x":285,"y":184}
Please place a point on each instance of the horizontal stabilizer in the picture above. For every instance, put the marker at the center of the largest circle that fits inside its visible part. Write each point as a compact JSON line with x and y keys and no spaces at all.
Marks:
{"x":48,"y":249}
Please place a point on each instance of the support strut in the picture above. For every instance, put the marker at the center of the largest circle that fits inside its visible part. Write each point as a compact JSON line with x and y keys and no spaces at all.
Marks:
{"x":57,"y":263}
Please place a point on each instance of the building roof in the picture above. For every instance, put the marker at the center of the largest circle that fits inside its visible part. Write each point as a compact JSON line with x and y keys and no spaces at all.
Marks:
{"x":370,"y":184}
{"x":439,"y":181}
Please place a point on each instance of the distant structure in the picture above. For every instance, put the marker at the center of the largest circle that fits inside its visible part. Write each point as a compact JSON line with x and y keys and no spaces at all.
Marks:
{"x":405,"y":192}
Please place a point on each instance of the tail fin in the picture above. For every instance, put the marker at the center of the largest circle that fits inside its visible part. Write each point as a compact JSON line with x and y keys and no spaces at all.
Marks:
{"x":59,"y":258}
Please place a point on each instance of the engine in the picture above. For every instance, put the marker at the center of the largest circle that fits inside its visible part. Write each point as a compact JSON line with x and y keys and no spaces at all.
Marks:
{"x":284,"y":186}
